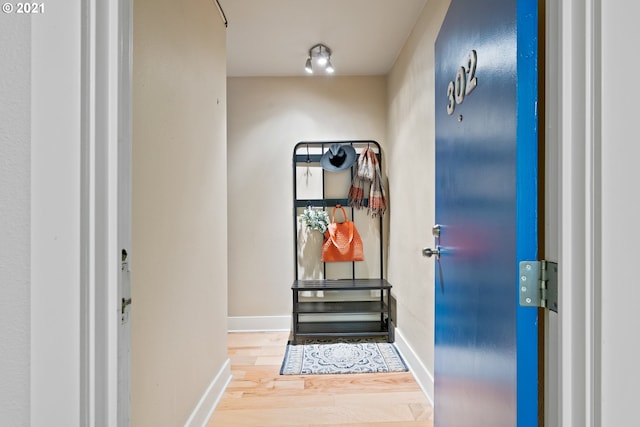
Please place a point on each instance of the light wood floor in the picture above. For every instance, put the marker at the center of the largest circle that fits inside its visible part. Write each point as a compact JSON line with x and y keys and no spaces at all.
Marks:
{"x":258,"y":396}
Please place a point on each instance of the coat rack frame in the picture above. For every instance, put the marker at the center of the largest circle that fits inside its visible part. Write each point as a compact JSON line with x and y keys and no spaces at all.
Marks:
{"x":331,"y":317}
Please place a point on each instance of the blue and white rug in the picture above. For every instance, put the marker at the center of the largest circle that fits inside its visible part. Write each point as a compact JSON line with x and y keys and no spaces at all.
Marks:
{"x":342,"y":358}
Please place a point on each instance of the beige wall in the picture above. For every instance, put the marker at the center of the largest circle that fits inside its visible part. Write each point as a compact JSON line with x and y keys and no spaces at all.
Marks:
{"x":411,"y":165}
{"x":179,"y":261}
{"x":267,"y":117}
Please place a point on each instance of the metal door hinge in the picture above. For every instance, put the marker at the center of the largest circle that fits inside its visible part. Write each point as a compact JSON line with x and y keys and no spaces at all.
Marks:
{"x":539,"y":284}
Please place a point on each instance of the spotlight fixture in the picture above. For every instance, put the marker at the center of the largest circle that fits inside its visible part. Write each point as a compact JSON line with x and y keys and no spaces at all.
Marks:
{"x":321,"y":56}
{"x":329,"y":67}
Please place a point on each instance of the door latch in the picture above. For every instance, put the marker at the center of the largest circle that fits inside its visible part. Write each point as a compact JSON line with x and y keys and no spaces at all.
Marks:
{"x":125,"y":303}
{"x":539,"y":284}
{"x":123,"y":309}
{"x":428,"y":252}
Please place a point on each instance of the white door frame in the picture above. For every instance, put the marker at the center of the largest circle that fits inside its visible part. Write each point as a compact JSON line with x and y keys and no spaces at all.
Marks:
{"x":124,"y":186}
{"x":106,"y":107}
{"x":75,"y":104}
{"x":59,"y":264}
{"x":577,"y":65}
{"x":109,"y":107}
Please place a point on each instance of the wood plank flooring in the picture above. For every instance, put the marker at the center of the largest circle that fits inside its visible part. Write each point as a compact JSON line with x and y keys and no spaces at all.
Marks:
{"x":258,"y":396}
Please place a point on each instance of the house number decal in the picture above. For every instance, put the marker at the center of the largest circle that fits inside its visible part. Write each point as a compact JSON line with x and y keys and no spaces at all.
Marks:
{"x":464,"y":83}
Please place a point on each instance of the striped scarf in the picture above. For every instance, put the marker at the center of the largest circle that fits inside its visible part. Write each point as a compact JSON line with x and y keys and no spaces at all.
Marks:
{"x":368,"y":171}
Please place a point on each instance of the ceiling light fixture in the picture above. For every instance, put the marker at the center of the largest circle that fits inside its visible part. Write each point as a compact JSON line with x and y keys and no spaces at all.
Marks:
{"x":321,"y":56}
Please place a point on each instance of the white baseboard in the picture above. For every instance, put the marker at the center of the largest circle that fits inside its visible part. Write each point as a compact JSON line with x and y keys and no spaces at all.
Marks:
{"x":259,"y":323}
{"x":423,"y":377}
{"x":211,"y":397}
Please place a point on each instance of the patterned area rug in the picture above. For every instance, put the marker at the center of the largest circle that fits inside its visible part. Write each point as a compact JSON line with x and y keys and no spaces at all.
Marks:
{"x":342,"y":358}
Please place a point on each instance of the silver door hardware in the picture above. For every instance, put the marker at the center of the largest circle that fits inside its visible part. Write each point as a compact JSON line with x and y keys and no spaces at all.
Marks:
{"x":428,"y":252}
{"x":125,"y":263}
{"x":539,"y":284}
{"x":123,"y":308}
{"x":125,"y":303}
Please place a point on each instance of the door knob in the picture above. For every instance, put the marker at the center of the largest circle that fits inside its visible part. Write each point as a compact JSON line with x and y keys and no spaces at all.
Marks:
{"x":428,"y":252}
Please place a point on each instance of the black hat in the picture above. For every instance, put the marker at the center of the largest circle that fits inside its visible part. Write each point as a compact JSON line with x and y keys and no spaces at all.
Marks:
{"x":338,"y":157}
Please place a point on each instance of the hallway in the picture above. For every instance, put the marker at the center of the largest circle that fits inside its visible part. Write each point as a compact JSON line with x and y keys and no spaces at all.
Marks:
{"x":259,"y":396}
{"x":202,"y":266}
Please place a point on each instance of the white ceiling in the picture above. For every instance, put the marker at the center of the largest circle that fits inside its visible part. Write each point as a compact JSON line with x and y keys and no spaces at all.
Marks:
{"x":273,"y":37}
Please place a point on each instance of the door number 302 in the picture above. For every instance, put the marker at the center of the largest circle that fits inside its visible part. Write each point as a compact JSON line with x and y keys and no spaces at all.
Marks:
{"x":465,"y":82}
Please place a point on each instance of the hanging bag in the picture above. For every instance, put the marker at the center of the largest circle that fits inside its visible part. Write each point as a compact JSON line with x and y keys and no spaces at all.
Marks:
{"x":342,"y":241}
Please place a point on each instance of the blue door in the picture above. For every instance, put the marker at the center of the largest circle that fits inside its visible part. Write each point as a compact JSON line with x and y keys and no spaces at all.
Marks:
{"x":486,"y":346}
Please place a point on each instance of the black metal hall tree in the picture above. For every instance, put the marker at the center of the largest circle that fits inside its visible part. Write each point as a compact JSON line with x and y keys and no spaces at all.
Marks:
{"x":355,"y":303}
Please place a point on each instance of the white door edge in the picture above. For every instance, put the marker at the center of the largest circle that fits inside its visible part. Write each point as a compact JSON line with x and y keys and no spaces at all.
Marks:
{"x":123,"y":172}
{"x":104,"y":122}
